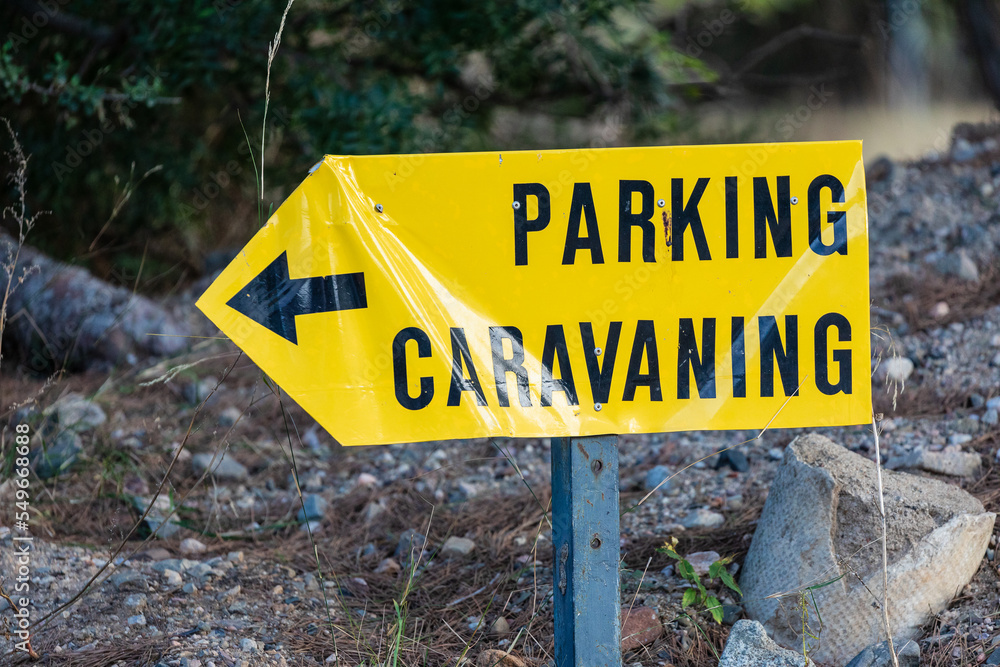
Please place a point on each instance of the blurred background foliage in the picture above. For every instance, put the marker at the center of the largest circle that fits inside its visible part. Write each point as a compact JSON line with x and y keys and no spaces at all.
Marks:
{"x":143,"y":118}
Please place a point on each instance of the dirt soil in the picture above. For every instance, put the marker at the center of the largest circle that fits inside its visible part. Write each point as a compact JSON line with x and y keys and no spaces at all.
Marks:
{"x":367,"y":582}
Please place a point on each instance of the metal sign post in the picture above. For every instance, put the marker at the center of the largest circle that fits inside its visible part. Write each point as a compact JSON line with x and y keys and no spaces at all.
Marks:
{"x":585,"y":539}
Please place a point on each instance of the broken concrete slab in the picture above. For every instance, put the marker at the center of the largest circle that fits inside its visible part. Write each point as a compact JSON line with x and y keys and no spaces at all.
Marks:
{"x":821,"y":525}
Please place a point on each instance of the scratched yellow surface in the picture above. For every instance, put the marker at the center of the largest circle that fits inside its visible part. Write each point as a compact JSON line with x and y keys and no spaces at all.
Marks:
{"x":434,"y":238}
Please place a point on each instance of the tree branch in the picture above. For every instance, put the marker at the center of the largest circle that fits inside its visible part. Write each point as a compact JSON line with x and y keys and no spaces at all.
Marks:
{"x":762,"y":53}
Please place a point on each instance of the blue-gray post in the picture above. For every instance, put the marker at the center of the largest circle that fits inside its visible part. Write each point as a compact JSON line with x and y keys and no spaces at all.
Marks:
{"x":585,"y":540}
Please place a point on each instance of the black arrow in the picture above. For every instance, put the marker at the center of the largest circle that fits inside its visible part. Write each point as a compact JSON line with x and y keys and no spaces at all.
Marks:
{"x":272,"y":299}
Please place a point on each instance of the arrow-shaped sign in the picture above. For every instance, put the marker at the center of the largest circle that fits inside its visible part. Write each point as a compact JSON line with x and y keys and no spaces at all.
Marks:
{"x":563,"y":293}
{"x":273,"y":299}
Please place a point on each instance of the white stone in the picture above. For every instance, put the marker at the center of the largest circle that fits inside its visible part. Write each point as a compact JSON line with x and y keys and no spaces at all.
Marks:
{"x":172,"y":578}
{"x":457,"y":547}
{"x":821,"y":517}
{"x":898,"y":369}
{"x":192,"y":546}
{"x":703,"y":518}
{"x":366,"y":479}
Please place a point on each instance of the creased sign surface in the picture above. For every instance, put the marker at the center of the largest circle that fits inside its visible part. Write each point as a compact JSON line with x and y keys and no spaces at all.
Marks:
{"x":420,"y":297}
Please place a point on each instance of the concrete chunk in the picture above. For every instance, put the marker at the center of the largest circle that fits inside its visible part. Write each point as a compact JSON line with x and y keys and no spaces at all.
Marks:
{"x":821,"y":524}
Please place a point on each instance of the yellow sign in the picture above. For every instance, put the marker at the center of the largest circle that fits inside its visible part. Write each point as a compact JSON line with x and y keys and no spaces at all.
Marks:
{"x":563,"y":293}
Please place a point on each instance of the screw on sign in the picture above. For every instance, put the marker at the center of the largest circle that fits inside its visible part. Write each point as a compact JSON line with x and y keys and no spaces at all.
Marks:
{"x":477,"y":297}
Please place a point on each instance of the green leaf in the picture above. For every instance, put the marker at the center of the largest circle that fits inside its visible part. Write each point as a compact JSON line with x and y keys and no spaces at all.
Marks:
{"x":714,"y":568}
{"x":727,"y":579}
{"x":690,"y":596}
{"x":714,"y":608}
{"x":670,"y":552}
{"x":685,"y":570}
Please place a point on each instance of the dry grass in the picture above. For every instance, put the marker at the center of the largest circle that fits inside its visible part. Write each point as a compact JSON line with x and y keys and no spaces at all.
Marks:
{"x":914,"y":297}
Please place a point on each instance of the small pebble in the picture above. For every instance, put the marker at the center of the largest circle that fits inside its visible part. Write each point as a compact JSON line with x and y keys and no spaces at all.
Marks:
{"x":500,"y":627}
{"x":656,"y":476}
{"x":191,"y":546}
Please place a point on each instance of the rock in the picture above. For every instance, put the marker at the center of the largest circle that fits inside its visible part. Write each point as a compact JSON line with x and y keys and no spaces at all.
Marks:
{"x":702,"y":560}
{"x":164,"y":530}
{"x":128,"y":580}
{"x":950,"y":461}
{"x":87,"y":322}
{"x":136,"y":601}
{"x":248,"y":645}
{"x":958,"y":264}
{"x":820,"y":510}
{"x":172,"y":578}
{"x":231,"y":594}
{"x":197,"y":391}
{"x":175,"y":564}
{"x":57,"y":456}
{"x":388,"y":566}
{"x":500,"y":627}
{"x":640,"y":626}
{"x":75,"y":413}
{"x":898,"y":370}
{"x":313,"y":507}
{"x":366,"y":479}
{"x":749,"y":646}
{"x":225,"y":466}
{"x":190,"y":546}
{"x":312,"y":481}
{"x":492,"y":657}
{"x":457,"y":547}
{"x":189,"y":588}
{"x":229,"y":416}
{"x":655,"y":476}
{"x":703,"y":518}
{"x":138,"y":619}
{"x":200,"y":570}
{"x":734,"y":458}
{"x":962,"y":150}
{"x":731,"y":613}
{"x":940,"y":310}
{"x":311,"y":526}
{"x":877,"y":655}
{"x":991,"y":417}
{"x":411,"y":543}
